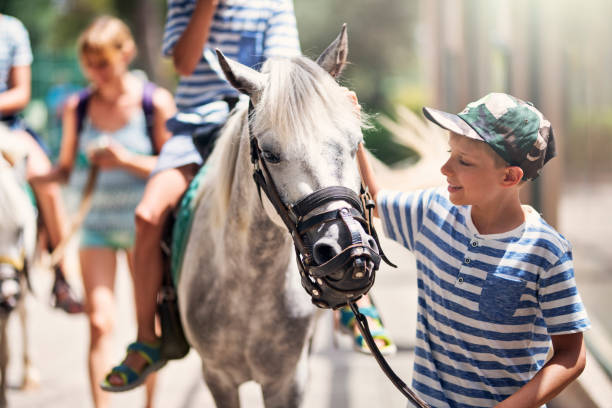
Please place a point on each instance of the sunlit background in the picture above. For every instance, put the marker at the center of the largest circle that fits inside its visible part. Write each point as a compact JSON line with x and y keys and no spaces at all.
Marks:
{"x":441,"y":53}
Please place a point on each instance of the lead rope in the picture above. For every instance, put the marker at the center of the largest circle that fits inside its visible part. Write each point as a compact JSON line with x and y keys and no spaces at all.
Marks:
{"x":362,"y":324}
{"x":84,"y":206}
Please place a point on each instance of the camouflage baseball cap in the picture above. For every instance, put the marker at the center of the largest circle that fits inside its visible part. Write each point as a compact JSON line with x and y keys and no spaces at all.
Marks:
{"x":515,"y":129}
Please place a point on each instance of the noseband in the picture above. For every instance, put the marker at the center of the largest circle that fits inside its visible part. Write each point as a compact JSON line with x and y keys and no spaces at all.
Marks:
{"x":346,"y":276}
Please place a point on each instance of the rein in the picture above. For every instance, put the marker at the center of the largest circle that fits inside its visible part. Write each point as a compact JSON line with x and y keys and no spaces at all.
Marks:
{"x":320,"y":280}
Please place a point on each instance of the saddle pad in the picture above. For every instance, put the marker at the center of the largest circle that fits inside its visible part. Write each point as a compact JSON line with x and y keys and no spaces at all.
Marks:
{"x":30,"y":193}
{"x":182,"y":224}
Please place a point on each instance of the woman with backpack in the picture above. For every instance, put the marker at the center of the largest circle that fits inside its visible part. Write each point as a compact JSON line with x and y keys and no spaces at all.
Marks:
{"x":118,"y":125}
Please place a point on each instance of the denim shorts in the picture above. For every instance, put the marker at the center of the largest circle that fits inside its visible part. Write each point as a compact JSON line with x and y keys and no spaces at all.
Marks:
{"x":202,"y":123}
{"x":178,"y":151}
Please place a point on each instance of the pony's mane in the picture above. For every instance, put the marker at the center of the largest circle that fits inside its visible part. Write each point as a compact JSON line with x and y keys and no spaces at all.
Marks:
{"x":222,"y":165}
{"x":300,"y":102}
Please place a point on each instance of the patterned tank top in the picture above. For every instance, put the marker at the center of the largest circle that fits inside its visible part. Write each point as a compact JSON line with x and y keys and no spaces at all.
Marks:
{"x":117,"y":192}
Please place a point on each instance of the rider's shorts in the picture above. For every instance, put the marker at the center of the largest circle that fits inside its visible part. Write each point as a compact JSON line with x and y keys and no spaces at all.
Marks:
{"x":178,"y":151}
{"x":200,"y":124}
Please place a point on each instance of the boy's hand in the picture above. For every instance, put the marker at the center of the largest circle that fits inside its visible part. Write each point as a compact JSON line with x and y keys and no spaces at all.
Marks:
{"x":353,"y":97}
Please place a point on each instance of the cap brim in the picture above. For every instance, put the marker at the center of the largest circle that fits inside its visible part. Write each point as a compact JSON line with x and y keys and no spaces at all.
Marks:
{"x":451,"y":122}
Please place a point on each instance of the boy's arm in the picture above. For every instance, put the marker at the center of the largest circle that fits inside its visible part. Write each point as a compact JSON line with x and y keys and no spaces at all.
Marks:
{"x":17,"y":96}
{"x":566,"y":364}
{"x":367,"y":174}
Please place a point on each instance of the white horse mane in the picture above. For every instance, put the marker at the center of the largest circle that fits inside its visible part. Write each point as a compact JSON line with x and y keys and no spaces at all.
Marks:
{"x":300,"y":100}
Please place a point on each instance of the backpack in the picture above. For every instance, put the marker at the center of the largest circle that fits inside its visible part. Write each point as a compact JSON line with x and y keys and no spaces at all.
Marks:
{"x":147,"y":107}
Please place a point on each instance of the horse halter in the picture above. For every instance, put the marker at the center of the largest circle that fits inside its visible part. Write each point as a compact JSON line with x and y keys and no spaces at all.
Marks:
{"x":346,"y":277}
{"x":349,"y":274}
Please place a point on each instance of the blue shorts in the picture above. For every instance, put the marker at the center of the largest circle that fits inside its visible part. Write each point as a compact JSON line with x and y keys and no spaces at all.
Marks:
{"x":202,"y":123}
{"x":178,"y":151}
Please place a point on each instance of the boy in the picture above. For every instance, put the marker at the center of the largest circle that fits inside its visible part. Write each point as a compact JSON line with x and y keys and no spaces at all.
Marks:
{"x":496,"y":282}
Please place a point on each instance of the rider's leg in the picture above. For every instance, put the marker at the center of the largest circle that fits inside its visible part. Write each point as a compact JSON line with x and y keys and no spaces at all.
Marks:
{"x":48,"y":194}
{"x":54,"y":218}
{"x":161,"y":195}
{"x":152,"y":378}
{"x":98,"y":265}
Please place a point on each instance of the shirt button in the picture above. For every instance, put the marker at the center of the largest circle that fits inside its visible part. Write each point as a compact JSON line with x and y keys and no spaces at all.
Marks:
{"x":468,"y":260}
{"x":474,"y":243}
{"x":460,"y":280}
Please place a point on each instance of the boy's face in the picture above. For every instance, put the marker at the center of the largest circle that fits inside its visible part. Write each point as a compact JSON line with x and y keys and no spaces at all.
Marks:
{"x":472,"y":171}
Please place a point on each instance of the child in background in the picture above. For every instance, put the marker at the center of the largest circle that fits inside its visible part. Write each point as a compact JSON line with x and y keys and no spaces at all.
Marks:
{"x":108,"y":126}
{"x":15,"y":93}
{"x":246,"y":31}
{"x":496,"y":282}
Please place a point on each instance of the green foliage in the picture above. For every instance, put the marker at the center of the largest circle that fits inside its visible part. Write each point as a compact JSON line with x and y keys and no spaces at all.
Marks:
{"x":381,"y":55}
{"x":382,"y":69}
{"x":589,"y":141}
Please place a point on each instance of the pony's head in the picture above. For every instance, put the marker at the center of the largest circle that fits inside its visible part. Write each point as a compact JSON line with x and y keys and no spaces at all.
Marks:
{"x":304,"y":135}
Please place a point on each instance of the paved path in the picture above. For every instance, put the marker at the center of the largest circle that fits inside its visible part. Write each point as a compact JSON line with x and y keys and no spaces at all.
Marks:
{"x":339,"y":377}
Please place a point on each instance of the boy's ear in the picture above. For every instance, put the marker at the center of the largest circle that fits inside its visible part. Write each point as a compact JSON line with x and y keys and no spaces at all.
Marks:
{"x":513,"y":175}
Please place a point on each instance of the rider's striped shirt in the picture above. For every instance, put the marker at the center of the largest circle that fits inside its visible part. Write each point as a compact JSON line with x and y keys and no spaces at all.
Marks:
{"x":487,"y":304}
{"x":14,"y":48}
{"x":248,"y":31}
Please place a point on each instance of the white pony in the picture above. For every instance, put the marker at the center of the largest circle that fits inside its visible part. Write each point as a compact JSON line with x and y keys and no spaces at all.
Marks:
{"x":242,"y":306}
{"x":17,"y":248}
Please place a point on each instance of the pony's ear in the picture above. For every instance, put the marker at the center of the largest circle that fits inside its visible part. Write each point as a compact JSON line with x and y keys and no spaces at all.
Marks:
{"x":333,"y":58}
{"x":245,"y":79}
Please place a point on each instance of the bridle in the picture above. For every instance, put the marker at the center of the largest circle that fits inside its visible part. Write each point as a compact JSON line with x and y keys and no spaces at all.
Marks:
{"x":346,"y":277}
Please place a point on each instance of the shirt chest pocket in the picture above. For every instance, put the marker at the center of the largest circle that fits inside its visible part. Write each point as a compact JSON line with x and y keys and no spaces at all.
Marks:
{"x":250,"y":52}
{"x":500,"y":296}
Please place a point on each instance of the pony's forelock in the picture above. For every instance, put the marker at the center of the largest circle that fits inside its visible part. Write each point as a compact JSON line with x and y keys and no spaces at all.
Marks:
{"x":300,"y":102}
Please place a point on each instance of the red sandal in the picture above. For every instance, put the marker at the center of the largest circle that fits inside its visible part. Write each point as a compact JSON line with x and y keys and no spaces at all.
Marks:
{"x":62,"y":297}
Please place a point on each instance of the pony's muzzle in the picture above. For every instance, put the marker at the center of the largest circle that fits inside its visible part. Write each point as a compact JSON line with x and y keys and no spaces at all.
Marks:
{"x":349,"y":269}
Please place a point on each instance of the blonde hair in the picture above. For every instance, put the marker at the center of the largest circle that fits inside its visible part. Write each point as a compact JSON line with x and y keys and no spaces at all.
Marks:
{"x":106,"y":38}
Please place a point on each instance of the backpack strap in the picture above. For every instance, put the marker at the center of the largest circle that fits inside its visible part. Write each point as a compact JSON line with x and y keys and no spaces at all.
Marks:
{"x":147,"y":107}
{"x":81,"y":110}
{"x":149,"y":110}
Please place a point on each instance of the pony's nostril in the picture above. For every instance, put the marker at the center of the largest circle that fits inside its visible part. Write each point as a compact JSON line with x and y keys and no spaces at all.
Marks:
{"x":324,"y":250}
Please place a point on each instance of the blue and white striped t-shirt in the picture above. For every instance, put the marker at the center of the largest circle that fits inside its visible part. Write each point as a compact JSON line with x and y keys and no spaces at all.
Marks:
{"x":248,"y":31}
{"x":487,"y":304}
{"x":15,"y":48}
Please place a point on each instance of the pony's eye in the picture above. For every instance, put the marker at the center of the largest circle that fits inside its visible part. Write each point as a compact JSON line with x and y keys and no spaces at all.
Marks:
{"x":270,"y":157}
